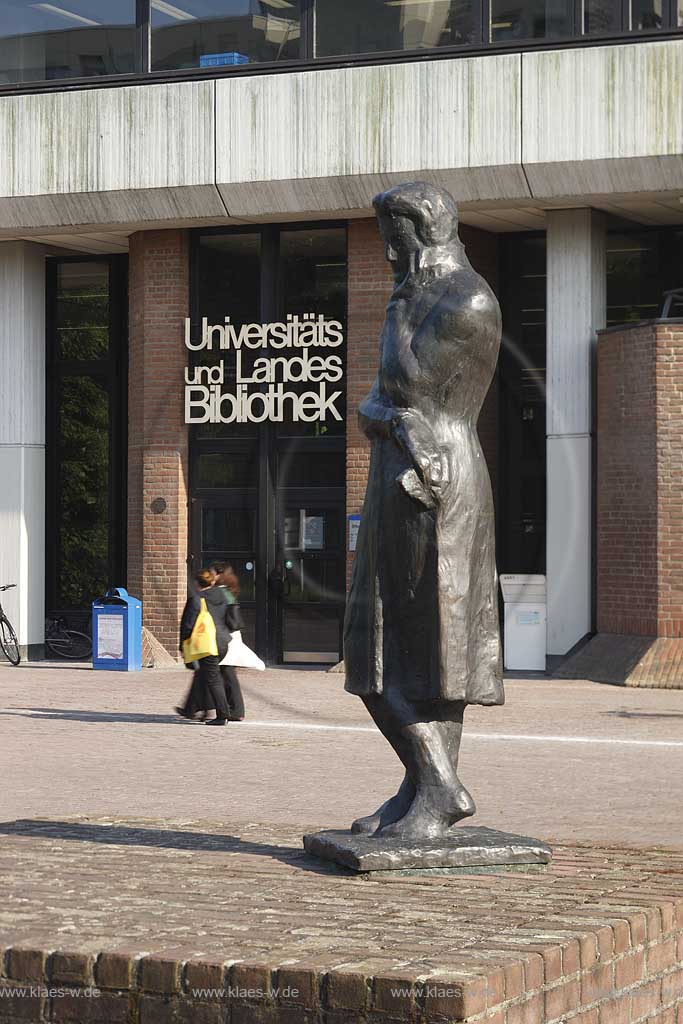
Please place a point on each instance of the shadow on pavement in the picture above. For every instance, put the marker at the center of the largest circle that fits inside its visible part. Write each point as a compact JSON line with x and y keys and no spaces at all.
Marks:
{"x":76,"y":715}
{"x":643,"y":714}
{"x":167,"y":839}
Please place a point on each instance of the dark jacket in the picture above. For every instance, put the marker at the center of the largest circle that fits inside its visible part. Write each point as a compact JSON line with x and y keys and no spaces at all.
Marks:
{"x":235,"y":622}
{"x":219,"y":611}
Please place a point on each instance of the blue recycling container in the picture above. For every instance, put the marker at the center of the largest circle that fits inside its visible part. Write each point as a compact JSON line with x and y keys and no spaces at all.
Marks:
{"x":217,"y":60}
{"x":117,"y":632}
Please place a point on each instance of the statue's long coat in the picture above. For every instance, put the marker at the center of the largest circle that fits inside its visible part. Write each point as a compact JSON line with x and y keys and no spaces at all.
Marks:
{"x":422,"y":610}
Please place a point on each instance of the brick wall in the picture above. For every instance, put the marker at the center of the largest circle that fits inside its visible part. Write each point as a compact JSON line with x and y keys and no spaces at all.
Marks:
{"x":158,"y":447}
{"x":370,"y":284}
{"x":639,"y":473}
{"x":587,"y":948}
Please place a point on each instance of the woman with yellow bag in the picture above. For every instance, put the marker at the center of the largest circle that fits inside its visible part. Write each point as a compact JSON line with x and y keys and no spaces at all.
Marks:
{"x":204,"y":640}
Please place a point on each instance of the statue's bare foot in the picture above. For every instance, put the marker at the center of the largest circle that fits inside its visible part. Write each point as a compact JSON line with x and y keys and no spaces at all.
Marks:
{"x":430,"y":818}
{"x":391,"y":810}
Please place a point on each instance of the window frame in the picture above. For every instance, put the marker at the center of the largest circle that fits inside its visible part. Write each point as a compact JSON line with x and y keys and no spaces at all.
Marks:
{"x":113,"y":372}
{"x":310,"y":62}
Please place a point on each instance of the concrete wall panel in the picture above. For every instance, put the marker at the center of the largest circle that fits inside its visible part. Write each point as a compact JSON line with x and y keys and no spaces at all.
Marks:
{"x":98,"y":152}
{"x":331,"y":140}
{"x":22,"y":344}
{"x":603,"y":119}
{"x":22,"y":437}
{"x":552,"y":125}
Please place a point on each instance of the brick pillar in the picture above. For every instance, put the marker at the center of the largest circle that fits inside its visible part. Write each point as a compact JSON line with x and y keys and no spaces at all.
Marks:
{"x":370,"y":284}
{"x":640,"y":468}
{"x":158,"y":437}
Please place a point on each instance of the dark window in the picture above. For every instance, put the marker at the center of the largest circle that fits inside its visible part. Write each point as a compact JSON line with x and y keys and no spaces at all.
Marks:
{"x":646,"y":14}
{"x":44,"y":41}
{"x":601,"y":17}
{"x":220,"y":33}
{"x":522,"y":368}
{"x":634,"y":277}
{"x":219,"y":469}
{"x":83,"y":505}
{"x":86,"y":457}
{"x":641,"y":266}
{"x":311,"y":469}
{"x":530,"y":19}
{"x":313,"y":280}
{"x":228,"y":529}
{"x":75,"y":39}
{"x":229,"y":284}
{"x":373,"y":26}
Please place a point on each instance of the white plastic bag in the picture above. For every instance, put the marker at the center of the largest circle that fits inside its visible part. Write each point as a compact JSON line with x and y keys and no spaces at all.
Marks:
{"x":241,"y":656}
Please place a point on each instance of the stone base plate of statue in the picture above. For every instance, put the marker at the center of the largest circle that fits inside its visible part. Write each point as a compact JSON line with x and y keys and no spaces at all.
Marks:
{"x":421,"y":632}
{"x":463,"y":848}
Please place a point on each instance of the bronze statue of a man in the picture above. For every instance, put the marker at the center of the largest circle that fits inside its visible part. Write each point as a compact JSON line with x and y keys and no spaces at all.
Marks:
{"x":421,"y":636}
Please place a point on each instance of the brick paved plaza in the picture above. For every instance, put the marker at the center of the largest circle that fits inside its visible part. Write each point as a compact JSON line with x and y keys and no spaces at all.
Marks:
{"x":154,"y":858}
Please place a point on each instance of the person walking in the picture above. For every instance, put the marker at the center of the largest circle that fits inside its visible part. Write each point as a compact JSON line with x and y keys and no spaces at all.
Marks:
{"x":228,"y":583}
{"x":207,"y":688}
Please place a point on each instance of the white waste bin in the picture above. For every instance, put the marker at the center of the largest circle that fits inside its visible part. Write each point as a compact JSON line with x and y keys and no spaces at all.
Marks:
{"x":525,"y":621}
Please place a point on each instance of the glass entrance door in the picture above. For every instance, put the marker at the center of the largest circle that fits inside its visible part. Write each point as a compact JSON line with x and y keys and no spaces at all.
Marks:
{"x":226,"y":532}
{"x":268,"y":479}
{"x":310,"y":575}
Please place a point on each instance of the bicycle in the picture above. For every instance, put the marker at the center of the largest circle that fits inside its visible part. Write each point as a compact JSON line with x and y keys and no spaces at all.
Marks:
{"x":8,"y":638}
{"x":67,"y":643}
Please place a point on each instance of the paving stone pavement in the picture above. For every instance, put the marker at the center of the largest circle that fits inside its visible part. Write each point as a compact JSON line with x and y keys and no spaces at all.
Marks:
{"x":562,"y":760}
{"x":149,"y":856}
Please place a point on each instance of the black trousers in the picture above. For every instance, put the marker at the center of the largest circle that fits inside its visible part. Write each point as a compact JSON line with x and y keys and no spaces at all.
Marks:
{"x":233,"y":691}
{"x":207,"y":690}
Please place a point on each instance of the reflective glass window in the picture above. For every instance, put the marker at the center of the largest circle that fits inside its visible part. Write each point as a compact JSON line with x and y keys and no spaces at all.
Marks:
{"x":83,"y":310}
{"x":311,"y":469}
{"x":370,"y":26}
{"x":601,"y":17}
{"x":69,"y":39}
{"x":313,"y":280}
{"x":228,"y":529}
{"x":529,"y":19}
{"x":229,"y":469}
{"x":646,"y":14}
{"x":83,"y":511}
{"x":229,"y":286}
{"x":635,"y":277}
{"x":223,"y":33}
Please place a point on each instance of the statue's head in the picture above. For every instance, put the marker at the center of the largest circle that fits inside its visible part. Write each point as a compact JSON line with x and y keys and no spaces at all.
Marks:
{"x":413,"y":217}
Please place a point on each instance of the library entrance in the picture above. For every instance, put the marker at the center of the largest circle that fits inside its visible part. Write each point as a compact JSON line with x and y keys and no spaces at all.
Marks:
{"x":268,"y":448}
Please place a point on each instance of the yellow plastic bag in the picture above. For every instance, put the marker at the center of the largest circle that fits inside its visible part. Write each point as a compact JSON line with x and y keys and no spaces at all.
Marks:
{"x":202,"y":641}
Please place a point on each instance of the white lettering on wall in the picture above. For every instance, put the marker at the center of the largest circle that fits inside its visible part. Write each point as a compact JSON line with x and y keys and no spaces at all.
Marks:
{"x":206,"y":400}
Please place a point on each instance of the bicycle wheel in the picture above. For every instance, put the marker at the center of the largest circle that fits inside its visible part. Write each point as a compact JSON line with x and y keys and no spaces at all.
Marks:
{"x":69,"y":643}
{"x":9,"y":642}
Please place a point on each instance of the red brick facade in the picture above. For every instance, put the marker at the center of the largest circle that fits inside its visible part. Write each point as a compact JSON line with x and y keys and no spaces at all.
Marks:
{"x":370,"y":285}
{"x":158,"y":446}
{"x":639,"y":474}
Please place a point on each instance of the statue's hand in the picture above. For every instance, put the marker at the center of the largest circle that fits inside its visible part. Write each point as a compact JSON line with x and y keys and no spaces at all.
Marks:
{"x":376,"y":415}
{"x":373,"y":428}
{"x":415,"y":488}
{"x":433,"y":463}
